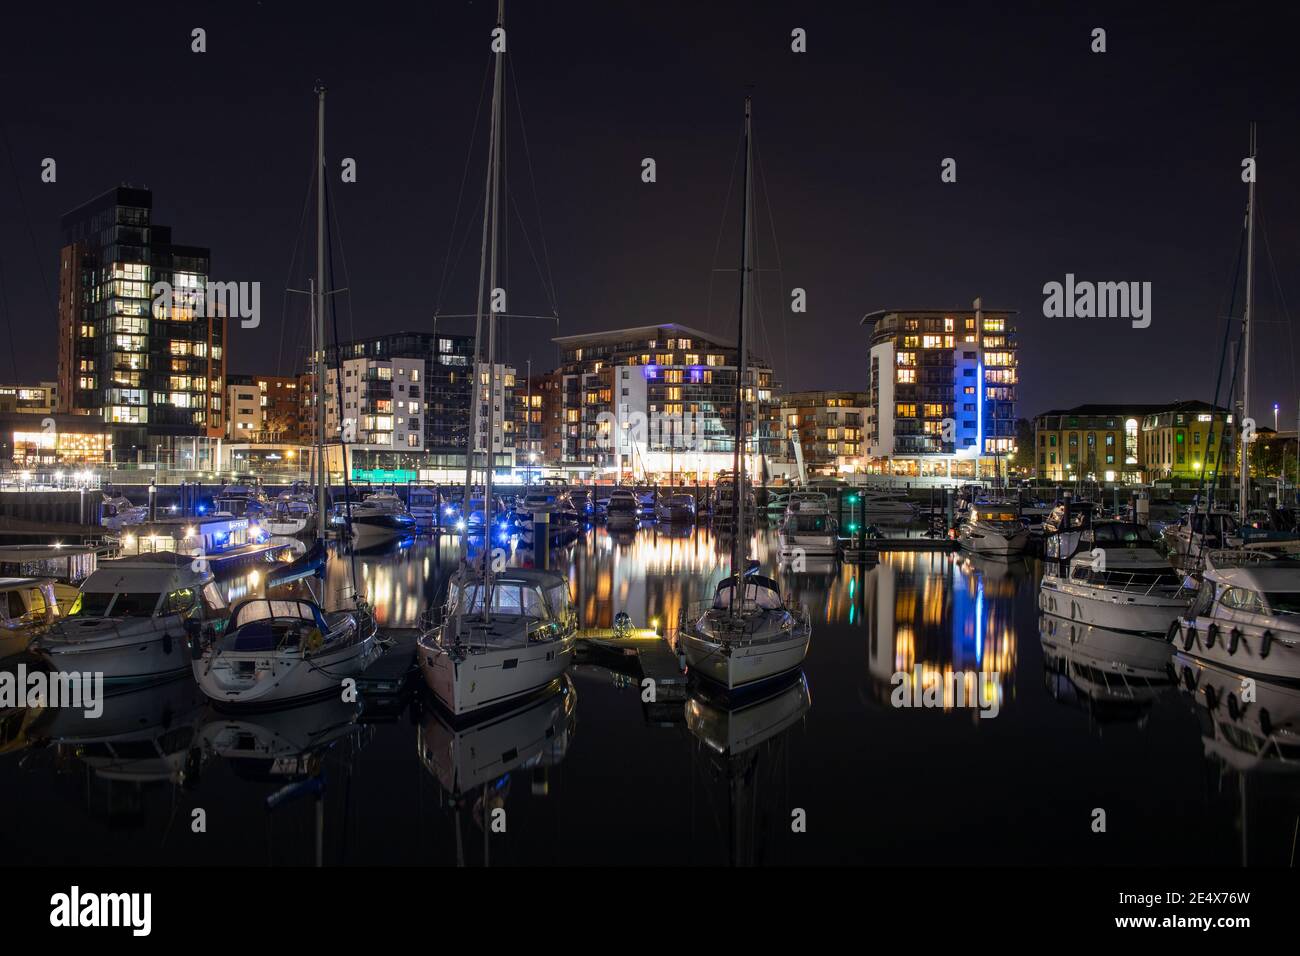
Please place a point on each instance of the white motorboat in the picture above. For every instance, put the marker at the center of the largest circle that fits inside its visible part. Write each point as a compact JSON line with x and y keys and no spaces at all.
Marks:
{"x":808,"y":528}
{"x":290,"y":515}
{"x":277,"y":650}
{"x":422,"y":503}
{"x":1109,"y":574}
{"x":380,"y":517}
{"x":623,"y":512}
{"x":547,"y":503}
{"x":885,"y":505}
{"x":28,"y":606}
{"x":1246,"y":615}
{"x":675,"y":509}
{"x":993,"y":528}
{"x":740,"y":641}
{"x":117,"y":512}
{"x":134,"y":617}
{"x":724,"y":503}
{"x":472,"y":659}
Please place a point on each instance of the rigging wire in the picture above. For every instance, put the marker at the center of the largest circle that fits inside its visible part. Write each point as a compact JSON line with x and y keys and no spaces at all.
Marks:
{"x":293,"y":260}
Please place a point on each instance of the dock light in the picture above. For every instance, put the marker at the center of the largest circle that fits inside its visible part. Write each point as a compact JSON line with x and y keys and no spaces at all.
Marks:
{"x":58,"y":476}
{"x":58,"y":544}
{"x":448,"y":510}
{"x":460,"y":525}
{"x":189,"y":532}
{"x":128,"y":540}
{"x":26,"y":476}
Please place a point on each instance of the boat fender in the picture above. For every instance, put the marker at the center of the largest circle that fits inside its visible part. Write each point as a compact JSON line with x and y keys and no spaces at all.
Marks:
{"x":1174,"y":627}
{"x":1189,"y":636}
{"x":167,"y":642}
{"x":1234,"y":638}
{"x":1234,"y":709}
{"x":1189,"y":680}
{"x":1265,"y":643}
{"x":1211,"y":697}
{"x":1265,"y":723}
{"x":1211,"y":633}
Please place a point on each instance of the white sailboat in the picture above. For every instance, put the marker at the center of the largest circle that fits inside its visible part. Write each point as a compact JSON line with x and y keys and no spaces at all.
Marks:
{"x":280,"y":650}
{"x":747,"y":635}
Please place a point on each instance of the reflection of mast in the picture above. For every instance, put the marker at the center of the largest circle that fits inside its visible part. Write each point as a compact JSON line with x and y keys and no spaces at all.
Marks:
{"x":746,"y":748}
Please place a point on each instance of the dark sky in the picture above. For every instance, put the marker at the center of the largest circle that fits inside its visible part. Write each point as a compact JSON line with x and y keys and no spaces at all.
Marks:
{"x":1120,"y":166}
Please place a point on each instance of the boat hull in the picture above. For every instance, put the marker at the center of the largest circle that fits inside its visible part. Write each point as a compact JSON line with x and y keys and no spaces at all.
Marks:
{"x":742,"y":666}
{"x":466,"y":681}
{"x":1110,"y":609}
{"x":149,"y":656}
{"x":283,"y":678}
{"x":1275,"y":658}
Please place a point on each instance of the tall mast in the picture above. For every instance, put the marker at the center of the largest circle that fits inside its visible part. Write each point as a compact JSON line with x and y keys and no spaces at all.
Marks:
{"x":495,"y":172}
{"x":475,"y":370}
{"x":739,"y":552}
{"x":1244,"y":500}
{"x":318,"y":313}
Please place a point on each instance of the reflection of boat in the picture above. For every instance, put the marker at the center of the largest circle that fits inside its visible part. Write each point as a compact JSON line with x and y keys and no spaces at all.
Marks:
{"x":1246,"y":615}
{"x":533,"y":735}
{"x":27,"y":607}
{"x":1109,"y":573}
{"x":282,"y":744}
{"x":142,"y":735}
{"x":1247,"y":735}
{"x":731,"y":732}
{"x":133,"y":618}
{"x":1114,"y":675}
{"x":502,"y":636}
{"x":744,"y":750}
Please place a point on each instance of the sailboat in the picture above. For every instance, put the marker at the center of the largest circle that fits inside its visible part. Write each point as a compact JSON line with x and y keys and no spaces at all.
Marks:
{"x":500,"y":636}
{"x":275,"y":650}
{"x":747,"y":635}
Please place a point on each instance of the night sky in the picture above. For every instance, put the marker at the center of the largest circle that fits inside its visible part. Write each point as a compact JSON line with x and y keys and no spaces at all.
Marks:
{"x":1118,"y":166}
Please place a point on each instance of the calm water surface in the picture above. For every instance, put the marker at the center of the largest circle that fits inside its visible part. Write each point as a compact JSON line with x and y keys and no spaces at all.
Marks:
{"x":590,"y":774}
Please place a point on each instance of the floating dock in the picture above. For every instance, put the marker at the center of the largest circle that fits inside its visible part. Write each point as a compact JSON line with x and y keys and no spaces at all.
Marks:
{"x":647,"y":648}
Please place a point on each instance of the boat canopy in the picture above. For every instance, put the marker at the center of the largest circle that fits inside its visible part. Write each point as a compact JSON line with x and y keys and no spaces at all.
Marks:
{"x":269,"y":610}
{"x":759,"y":591}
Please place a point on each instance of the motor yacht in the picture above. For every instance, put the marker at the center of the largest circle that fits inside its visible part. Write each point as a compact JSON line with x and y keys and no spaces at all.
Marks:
{"x":623,"y":512}
{"x":379,"y":517}
{"x":28,"y":606}
{"x":1246,"y":615}
{"x":808,"y":527}
{"x":993,"y":528}
{"x":1108,"y":573}
{"x":117,"y":512}
{"x":675,"y":509}
{"x":134,"y":617}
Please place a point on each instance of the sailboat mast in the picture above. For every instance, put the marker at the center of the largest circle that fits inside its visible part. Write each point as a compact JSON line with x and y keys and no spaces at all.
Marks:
{"x":490,"y":464}
{"x":475,"y":371}
{"x":318,"y":313}
{"x":1244,"y":501}
{"x":739,"y":551}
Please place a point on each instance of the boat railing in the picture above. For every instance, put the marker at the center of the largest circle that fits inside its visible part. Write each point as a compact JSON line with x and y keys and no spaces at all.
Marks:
{"x":1144,"y":583}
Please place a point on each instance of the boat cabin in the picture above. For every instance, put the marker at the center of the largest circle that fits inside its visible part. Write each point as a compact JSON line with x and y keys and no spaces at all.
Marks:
{"x":151,"y":585}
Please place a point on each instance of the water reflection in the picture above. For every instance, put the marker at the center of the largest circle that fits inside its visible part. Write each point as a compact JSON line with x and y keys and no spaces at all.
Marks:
{"x":346,"y":783}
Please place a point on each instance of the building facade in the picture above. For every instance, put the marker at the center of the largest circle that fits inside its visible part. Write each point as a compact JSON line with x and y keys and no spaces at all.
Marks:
{"x":831,"y":427}
{"x":38,"y":399}
{"x":1134,"y":443}
{"x":660,"y":401}
{"x":153,"y":372}
{"x":942,"y":391}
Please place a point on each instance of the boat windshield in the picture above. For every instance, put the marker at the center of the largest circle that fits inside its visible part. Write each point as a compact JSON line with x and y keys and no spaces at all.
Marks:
{"x":124,"y":604}
{"x":810,"y":524}
{"x":507,"y":599}
{"x":758,"y":593}
{"x":1128,"y":534}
